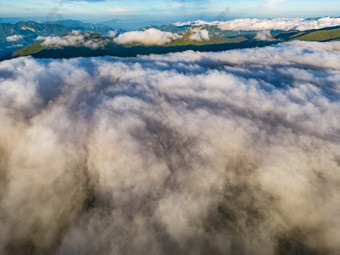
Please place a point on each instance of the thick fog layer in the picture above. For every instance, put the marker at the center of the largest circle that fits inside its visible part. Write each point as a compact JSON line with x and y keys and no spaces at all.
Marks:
{"x":235,"y":152}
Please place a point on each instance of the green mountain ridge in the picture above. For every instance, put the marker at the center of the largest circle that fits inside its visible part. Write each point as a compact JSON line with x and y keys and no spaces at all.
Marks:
{"x":109,"y":48}
{"x":320,"y":35}
{"x":27,"y":33}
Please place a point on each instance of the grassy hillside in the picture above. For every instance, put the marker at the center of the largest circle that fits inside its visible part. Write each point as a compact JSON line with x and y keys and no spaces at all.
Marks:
{"x":29,"y":31}
{"x":185,"y":43}
{"x":37,"y":50}
{"x":111,"y":48}
{"x":29,"y":50}
{"x":321,"y":35}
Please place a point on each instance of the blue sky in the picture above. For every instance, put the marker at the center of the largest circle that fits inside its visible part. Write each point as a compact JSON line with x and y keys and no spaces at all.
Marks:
{"x":130,"y":9}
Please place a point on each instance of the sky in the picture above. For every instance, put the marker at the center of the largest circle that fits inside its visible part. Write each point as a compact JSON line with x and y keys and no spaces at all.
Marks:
{"x":90,"y":10}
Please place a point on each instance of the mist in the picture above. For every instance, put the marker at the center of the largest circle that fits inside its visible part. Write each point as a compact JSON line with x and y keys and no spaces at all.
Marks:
{"x":232,"y":152}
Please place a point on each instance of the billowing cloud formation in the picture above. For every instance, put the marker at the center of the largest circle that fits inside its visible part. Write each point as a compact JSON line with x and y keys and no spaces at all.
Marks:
{"x":40,"y":38}
{"x":202,"y":35}
{"x":14,"y":38}
{"x":74,"y":39}
{"x":264,"y":36}
{"x":270,"y":24}
{"x":112,"y":33}
{"x":150,"y":36}
{"x":195,"y":23}
{"x":325,"y":46}
{"x":233,"y":152}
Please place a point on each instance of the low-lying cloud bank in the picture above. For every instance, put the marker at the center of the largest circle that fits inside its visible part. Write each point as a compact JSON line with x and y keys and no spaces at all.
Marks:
{"x":14,"y":38}
{"x":112,"y":33}
{"x":270,"y":24}
{"x":75,"y":39}
{"x":264,"y":36}
{"x":233,"y":152}
{"x":201,"y":35}
{"x":150,"y":36}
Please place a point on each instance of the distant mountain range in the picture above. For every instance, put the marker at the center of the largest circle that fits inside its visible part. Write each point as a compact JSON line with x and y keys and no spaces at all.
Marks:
{"x":105,"y":46}
{"x":76,"y":23}
{"x":23,"y":33}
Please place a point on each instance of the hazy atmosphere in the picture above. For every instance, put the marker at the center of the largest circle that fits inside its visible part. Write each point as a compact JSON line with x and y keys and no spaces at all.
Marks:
{"x":170,"y":127}
{"x":169,"y":10}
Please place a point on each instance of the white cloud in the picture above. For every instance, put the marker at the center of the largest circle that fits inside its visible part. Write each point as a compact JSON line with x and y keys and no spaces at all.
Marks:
{"x":270,"y":24}
{"x":40,"y":38}
{"x":57,"y":41}
{"x":161,"y":154}
{"x":14,"y":38}
{"x":112,"y":33}
{"x":179,"y":24}
{"x":264,"y":36}
{"x":193,"y":23}
{"x":322,"y":46}
{"x":150,"y":36}
{"x":76,"y":32}
{"x":201,"y":35}
{"x":74,"y":39}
